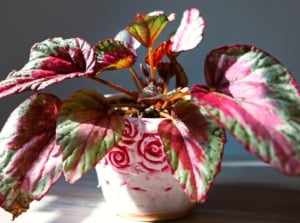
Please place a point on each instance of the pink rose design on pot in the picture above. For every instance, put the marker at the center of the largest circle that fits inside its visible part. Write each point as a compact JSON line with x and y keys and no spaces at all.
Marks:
{"x":118,"y":157}
{"x":152,"y":154}
{"x":132,"y":131}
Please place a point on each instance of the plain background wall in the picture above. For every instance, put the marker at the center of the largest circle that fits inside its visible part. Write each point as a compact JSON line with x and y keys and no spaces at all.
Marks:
{"x":272,"y":25}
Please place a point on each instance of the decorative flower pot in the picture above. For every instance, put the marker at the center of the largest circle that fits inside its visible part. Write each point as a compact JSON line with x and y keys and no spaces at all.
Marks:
{"x":136,"y":179}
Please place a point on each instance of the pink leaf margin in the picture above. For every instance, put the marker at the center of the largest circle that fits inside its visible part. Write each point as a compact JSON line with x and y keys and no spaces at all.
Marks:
{"x":195,"y":162}
{"x":190,"y":31}
{"x":256,"y":99}
{"x":51,"y":61}
{"x":30,"y":159}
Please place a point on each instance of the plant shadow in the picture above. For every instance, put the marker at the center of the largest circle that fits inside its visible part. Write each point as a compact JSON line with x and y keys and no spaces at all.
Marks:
{"x":74,"y":203}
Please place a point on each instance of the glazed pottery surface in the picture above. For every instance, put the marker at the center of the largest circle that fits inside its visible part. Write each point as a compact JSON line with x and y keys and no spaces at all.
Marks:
{"x":136,"y":179}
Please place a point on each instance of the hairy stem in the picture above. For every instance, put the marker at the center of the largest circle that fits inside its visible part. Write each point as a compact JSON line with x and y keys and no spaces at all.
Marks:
{"x":115,"y":87}
{"x":166,"y":115}
{"x":152,"y":70}
{"x":138,"y":82}
{"x":166,"y":86}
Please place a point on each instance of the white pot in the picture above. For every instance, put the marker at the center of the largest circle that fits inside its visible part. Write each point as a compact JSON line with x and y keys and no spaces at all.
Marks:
{"x":136,"y":179}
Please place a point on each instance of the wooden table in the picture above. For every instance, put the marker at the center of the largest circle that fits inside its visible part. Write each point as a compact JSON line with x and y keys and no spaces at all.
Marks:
{"x":245,"y":191}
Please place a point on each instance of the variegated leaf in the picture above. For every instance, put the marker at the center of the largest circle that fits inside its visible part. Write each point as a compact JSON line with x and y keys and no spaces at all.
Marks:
{"x":147,"y":28}
{"x":87,"y":129}
{"x":51,"y":61}
{"x":114,"y":55}
{"x":190,"y":32}
{"x":257,"y":100}
{"x":30,"y":159}
{"x":195,"y":161}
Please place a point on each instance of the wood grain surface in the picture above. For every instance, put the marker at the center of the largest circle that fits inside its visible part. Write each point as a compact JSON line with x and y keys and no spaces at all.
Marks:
{"x":245,"y":191}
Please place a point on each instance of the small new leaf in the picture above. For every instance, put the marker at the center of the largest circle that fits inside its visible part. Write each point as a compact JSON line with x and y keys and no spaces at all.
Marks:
{"x":147,"y":28}
{"x":159,"y":53}
{"x":190,"y":32}
{"x":114,"y":55}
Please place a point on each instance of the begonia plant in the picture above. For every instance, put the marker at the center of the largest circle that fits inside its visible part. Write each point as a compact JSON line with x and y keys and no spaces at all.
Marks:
{"x":246,"y":93}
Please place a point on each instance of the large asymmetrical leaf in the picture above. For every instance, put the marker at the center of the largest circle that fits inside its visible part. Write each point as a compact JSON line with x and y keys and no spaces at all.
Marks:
{"x":195,"y":160}
{"x":257,"y":100}
{"x":51,"y":61}
{"x":30,"y":159}
{"x":114,"y":55}
{"x":87,"y":129}
{"x":147,"y":28}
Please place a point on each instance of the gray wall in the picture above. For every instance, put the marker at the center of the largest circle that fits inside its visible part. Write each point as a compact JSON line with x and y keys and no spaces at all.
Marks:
{"x":269,"y":24}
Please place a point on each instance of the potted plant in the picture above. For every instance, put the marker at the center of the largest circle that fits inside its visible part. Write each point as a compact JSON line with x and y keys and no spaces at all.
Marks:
{"x":164,"y":132}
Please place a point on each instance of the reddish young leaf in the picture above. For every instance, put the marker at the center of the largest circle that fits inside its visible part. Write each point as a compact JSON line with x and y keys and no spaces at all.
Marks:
{"x":147,"y":28}
{"x":114,"y":55}
{"x":51,"y":61}
{"x":167,"y":70}
{"x":195,"y":161}
{"x":257,"y":100}
{"x":87,"y":129}
{"x":159,"y":52}
{"x":190,"y":32}
{"x":30,"y":159}
{"x":188,"y":35}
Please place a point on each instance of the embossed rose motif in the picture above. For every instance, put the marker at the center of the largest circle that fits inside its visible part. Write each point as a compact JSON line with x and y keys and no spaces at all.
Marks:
{"x":118,"y":157}
{"x":133,"y":130}
{"x":151,"y":152}
{"x":140,"y":150}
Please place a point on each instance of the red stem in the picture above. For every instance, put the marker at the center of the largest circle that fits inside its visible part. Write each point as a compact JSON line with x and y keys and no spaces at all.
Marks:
{"x":115,"y":86}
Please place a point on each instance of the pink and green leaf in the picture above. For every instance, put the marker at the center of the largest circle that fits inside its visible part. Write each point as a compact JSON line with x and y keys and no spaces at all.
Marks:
{"x":195,"y":161}
{"x":190,"y":31}
{"x":51,"y":61}
{"x":188,"y":36}
{"x":114,"y":55}
{"x":30,"y":159}
{"x":147,"y":28}
{"x":87,"y":129}
{"x":255,"y":97}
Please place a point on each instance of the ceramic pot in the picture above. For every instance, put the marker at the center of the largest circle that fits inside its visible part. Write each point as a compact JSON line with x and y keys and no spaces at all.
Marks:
{"x":136,"y":179}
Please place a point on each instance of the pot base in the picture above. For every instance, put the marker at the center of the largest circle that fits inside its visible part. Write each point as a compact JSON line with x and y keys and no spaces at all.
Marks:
{"x":157,"y":217}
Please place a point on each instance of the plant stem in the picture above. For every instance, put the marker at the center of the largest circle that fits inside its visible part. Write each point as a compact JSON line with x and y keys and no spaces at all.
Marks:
{"x":152,"y":70}
{"x":137,"y":80}
{"x":174,"y":97}
{"x":166,"y":86}
{"x":115,"y":86}
{"x":166,"y":115}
